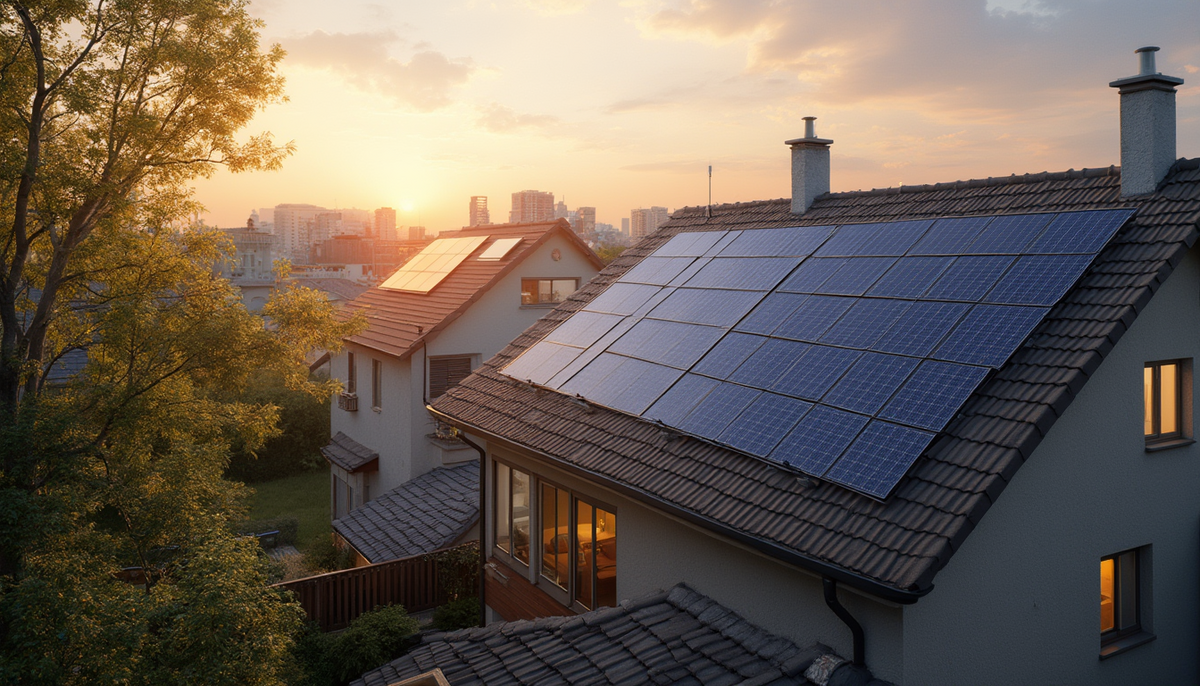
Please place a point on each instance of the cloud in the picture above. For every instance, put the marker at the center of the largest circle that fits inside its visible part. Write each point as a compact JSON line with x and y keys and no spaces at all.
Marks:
{"x":424,"y":83}
{"x":498,"y":118}
{"x":551,"y":8}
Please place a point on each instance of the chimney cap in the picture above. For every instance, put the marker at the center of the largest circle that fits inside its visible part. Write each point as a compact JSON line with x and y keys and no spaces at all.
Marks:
{"x":1148,"y":77}
{"x":810,"y":135}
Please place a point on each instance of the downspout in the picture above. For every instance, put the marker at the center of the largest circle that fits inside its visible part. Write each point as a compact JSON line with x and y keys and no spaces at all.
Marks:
{"x":856,"y":630}
{"x":482,"y":482}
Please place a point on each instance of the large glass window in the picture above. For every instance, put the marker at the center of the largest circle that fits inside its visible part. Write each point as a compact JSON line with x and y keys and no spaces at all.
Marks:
{"x":1119,"y":615}
{"x":596,"y":556}
{"x":547,"y":291}
{"x":512,"y":512}
{"x":556,"y":535}
{"x":1162,"y":401}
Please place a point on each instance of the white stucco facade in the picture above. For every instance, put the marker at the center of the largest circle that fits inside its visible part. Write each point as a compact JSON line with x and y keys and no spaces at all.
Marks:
{"x":399,"y":428}
{"x":1018,"y":603}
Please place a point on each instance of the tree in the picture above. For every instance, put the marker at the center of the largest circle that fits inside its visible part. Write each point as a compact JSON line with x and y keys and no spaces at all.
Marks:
{"x":106,"y":112}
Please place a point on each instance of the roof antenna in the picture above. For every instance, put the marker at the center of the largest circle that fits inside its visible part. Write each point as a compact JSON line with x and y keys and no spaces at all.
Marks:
{"x":708,"y":210}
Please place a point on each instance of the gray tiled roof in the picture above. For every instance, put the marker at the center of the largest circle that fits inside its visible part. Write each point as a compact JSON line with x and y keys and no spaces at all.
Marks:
{"x":425,"y":514}
{"x":895,"y":547}
{"x":348,"y":453}
{"x":676,"y":637}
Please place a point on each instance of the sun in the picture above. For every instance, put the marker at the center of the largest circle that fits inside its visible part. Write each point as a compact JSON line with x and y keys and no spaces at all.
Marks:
{"x":408,"y":205}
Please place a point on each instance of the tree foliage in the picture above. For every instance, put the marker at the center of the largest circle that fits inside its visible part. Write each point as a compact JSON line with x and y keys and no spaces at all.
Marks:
{"x":107,"y":110}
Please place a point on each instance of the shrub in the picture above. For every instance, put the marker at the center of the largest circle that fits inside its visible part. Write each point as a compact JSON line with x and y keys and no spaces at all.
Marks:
{"x":327,"y":556}
{"x":457,"y":614}
{"x":458,"y":570}
{"x":288,"y":528}
{"x":372,"y":640}
{"x":304,"y":430}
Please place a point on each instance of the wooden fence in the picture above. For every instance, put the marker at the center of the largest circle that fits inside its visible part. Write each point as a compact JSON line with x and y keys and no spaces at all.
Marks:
{"x":335,"y":599}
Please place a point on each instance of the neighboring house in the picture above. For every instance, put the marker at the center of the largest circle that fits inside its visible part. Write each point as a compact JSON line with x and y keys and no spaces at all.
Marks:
{"x":251,"y":266}
{"x":338,"y":291}
{"x":901,"y":422}
{"x":451,"y":306}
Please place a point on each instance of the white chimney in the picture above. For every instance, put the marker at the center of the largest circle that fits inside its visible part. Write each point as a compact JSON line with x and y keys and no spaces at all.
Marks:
{"x":1147,"y":126}
{"x":810,"y":167}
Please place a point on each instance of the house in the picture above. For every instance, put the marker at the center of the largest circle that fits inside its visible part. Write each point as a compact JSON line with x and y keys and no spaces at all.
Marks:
{"x":451,"y":306}
{"x":903,"y":423}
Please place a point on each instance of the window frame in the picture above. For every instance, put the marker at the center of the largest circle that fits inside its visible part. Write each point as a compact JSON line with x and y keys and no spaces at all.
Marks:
{"x":469,"y":358}
{"x":351,"y":374}
{"x":537,"y":289}
{"x":510,"y":556}
{"x":1117,"y":639}
{"x":376,"y":384}
{"x":1156,"y":435}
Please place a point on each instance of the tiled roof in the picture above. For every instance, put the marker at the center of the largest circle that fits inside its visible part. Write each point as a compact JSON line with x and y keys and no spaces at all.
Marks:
{"x":397,"y":320}
{"x":344,"y":289}
{"x":425,"y":514}
{"x":348,"y":453}
{"x":891,"y":548}
{"x":676,"y":637}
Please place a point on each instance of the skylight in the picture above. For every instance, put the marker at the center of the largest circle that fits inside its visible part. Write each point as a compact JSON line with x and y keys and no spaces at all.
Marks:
{"x":499,"y":249}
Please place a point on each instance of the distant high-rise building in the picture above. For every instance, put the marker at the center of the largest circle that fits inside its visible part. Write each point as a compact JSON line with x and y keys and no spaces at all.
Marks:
{"x":625,"y":225}
{"x":479,"y":211}
{"x":585,"y":221}
{"x":416,"y":233}
{"x":385,"y":224}
{"x":294,"y":225}
{"x":560,"y":210}
{"x":643,"y":222}
{"x":531,"y":206}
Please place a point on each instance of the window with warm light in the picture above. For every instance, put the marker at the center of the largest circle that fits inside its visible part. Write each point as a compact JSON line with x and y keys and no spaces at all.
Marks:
{"x":1120,"y":615}
{"x":1163,"y":401}
{"x":512,"y":509}
{"x":547,"y":291}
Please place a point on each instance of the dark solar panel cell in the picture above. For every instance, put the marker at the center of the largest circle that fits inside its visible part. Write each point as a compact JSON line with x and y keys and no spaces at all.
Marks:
{"x":910,"y":277}
{"x":583,"y":329}
{"x":1080,"y":232}
{"x":670,"y":343}
{"x":798,"y":241}
{"x":676,"y":403}
{"x":768,"y":363}
{"x":921,"y":328}
{"x":728,"y":355}
{"x":811,"y":273}
{"x":865,"y":322}
{"x":770,"y":313}
{"x":650,"y":381}
{"x":683,"y":276}
{"x":744,"y":273}
{"x":815,"y":372}
{"x":718,"y":410}
{"x":592,"y":352}
{"x":656,"y":271}
{"x":645,"y":308}
{"x":819,"y":439}
{"x":589,"y":380}
{"x":969,"y":278}
{"x":764,"y":424}
{"x":847,"y":240}
{"x":813,"y":317}
{"x":856,"y":276}
{"x":933,"y":394}
{"x":691,"y":244}
{"x":1038,"y":279}
{"x":719,"y":247}
{"x":622,"y":298}
{"x":894,"y":238}
{"x":878,"y":458}
{"x":950,"y":236}
{"x":989,"y":334}
{"x":1009,"y":235}
{"x":870,"y":382}
{"x":541,"y":362}
{"x":702,"y":306}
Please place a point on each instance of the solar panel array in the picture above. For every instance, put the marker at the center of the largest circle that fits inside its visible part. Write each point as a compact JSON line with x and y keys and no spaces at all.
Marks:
{"x":433,"y":264}
{"x":840,"y":351}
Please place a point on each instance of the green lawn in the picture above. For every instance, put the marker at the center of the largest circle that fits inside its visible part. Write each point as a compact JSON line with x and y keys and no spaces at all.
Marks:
{"x":303,"y":496}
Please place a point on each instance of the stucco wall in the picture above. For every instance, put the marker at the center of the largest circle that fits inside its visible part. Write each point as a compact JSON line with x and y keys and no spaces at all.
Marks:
{"x":1018,"y":604}
{"x":382,"y":431}
{"x":656,"y":551}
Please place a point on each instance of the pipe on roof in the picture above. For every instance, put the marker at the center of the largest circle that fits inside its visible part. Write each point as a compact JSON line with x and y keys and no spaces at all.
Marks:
{"x":856,"y":630}
{"x":779,"y":552}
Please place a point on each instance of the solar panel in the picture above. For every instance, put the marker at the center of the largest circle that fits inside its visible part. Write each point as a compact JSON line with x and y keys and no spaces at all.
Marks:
{"x":878,"y":458}
{"x":728,"y":355}
{"x":843,"y":364}
{"x":819,"y":439}
{"x":499,"y":249}
{"x":869,"y":384}
{"x":762,"y":425}
{"x":432,"y":265}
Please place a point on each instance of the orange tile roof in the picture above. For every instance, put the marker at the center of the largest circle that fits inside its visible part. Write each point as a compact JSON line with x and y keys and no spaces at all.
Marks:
{"x":398,"y":321}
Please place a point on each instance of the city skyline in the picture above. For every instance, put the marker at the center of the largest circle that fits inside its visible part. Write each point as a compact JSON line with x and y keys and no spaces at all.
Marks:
{"x":419,"y":106}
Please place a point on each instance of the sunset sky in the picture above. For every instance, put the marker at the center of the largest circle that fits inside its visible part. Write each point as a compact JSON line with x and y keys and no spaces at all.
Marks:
{"x":419,"y":105}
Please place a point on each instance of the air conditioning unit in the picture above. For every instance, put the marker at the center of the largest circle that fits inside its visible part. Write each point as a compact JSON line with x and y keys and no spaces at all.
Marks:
{"x":348,"y":402}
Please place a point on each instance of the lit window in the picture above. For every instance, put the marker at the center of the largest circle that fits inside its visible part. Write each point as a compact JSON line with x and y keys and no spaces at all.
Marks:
{"x":596,"y":558}
{"x":1162,"y":401}
{"x":1119,"y":616}
{"x":556,"y":536}
{"x":547,"y":291}
{"x":512,"y":512}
